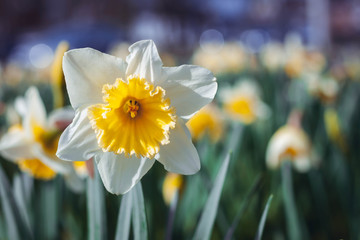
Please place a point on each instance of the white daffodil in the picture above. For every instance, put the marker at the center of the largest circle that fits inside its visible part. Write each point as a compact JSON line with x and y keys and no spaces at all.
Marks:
{"x":33,"y":144}
{"x":243,"y":103}
{"x":289,"y":143}
{"x":207,"y":121}
{"x":131,"y":113}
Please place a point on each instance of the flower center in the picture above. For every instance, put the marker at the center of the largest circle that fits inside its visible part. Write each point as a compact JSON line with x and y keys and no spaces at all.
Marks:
{"x":242,"y":108}
{"x":37,"y":169}
{"x":290,"y":153}
{"x":132,"y":106}
{"x":135,"y":119}
{"x":48,"y":139}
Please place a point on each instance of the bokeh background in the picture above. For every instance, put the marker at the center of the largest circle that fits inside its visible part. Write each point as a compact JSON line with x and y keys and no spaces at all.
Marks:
{"x":302,"y":56}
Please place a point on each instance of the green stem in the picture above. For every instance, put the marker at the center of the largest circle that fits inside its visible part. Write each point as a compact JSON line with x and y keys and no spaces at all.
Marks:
{"x":292,"y":219}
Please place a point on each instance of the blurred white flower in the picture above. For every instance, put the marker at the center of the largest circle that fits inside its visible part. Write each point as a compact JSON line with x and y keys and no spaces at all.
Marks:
{"x":273,"y":56}
{"x":289,"y":143}
{"x":242,"y":102}
{"x":228,"y":58}
{"x":209,"y":121}
{"x":130,"y":113}
{"x":33,"y":144}
{"x":325,"y":88}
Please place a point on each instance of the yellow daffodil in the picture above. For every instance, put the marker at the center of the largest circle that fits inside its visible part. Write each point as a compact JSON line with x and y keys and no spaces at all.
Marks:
{"x":207,"y":121}
{"x":33,"y":144}
{"x":131,"y":113}
{"x":243,"y":102}
{"x":172,"y":183}
{"x":289,"y":143}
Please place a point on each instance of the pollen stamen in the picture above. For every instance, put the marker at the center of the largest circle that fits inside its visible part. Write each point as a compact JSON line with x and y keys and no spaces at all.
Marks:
{"x":132,"y":107}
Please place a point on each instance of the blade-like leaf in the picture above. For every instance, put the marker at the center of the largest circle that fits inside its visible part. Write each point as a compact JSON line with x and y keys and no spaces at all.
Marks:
{"x":263,"y":219}
{"x":123,"y":224}
{"x":244,"y":204}
{"x":16,"y":225}
{"x":139,"y":215}
{"x":96,"y":207}
{"x":21,"y":198}
{"x":207,"y":219}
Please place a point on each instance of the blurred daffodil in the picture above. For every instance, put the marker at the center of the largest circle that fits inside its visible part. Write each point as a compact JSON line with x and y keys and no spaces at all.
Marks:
{"x":129,"y":114}
{"x":57,"y":75}
{"x":333,"y":129}
{"x":299,"y":60}
{"x":207,"y":121}
{"x":243,"y":102}
{"x":33,"y":144}
{"x":172,"y":183}
{"x":227,"y":58}
{"x":289,"y":143}
{"x":272,"y":56}
{"x":81,"y":168}
{"x":325,"y":88}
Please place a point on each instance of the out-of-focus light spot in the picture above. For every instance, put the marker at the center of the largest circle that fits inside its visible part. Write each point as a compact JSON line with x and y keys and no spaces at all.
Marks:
{"x":41,"y":55}
{"x":254,"y":39}
{"x":211,"y":41}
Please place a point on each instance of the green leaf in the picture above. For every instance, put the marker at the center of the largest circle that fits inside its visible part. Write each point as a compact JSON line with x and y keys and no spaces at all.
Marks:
{"x":96,"y":207}
{"x":49,"y":208}
{"x":263,"y":219}
{"x":124,"y":217}
{"x":138,"y":213}
{"x":21,"y":199}
{"x":207,"y":219}
{"x":16,"y":225}
{"x":293,"y":224}
{"x":255,"y":187}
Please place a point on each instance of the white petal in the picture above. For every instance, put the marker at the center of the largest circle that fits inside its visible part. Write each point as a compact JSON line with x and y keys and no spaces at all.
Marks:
{"x":15,"y":145}
{"x":189,"y":88}
{"x":35,"y":111}
{"x":53,"y":162}
{"x":144,"y":61}
{"x":61,"y":118}
{"x":302,"y":164}
{"x":78,"y":142}
{"x":20,"y":106}
{"x":180,"y":155}
{"x":119,"y":173}
{"x":86,"y":71}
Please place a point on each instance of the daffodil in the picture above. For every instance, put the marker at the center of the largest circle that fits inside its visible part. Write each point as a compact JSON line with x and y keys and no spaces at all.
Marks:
{"x":325,"y":88}
{"x":228,"y":58}
{"x":33,"y":144}
{"x":207,"y":121}
{"x":289,"y":143}
{"x":172,"y":183}
{"x":243,"y":102}
{"x":131,"y":113}
{"x":333,"y":128}
{"x":273,"y":56}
